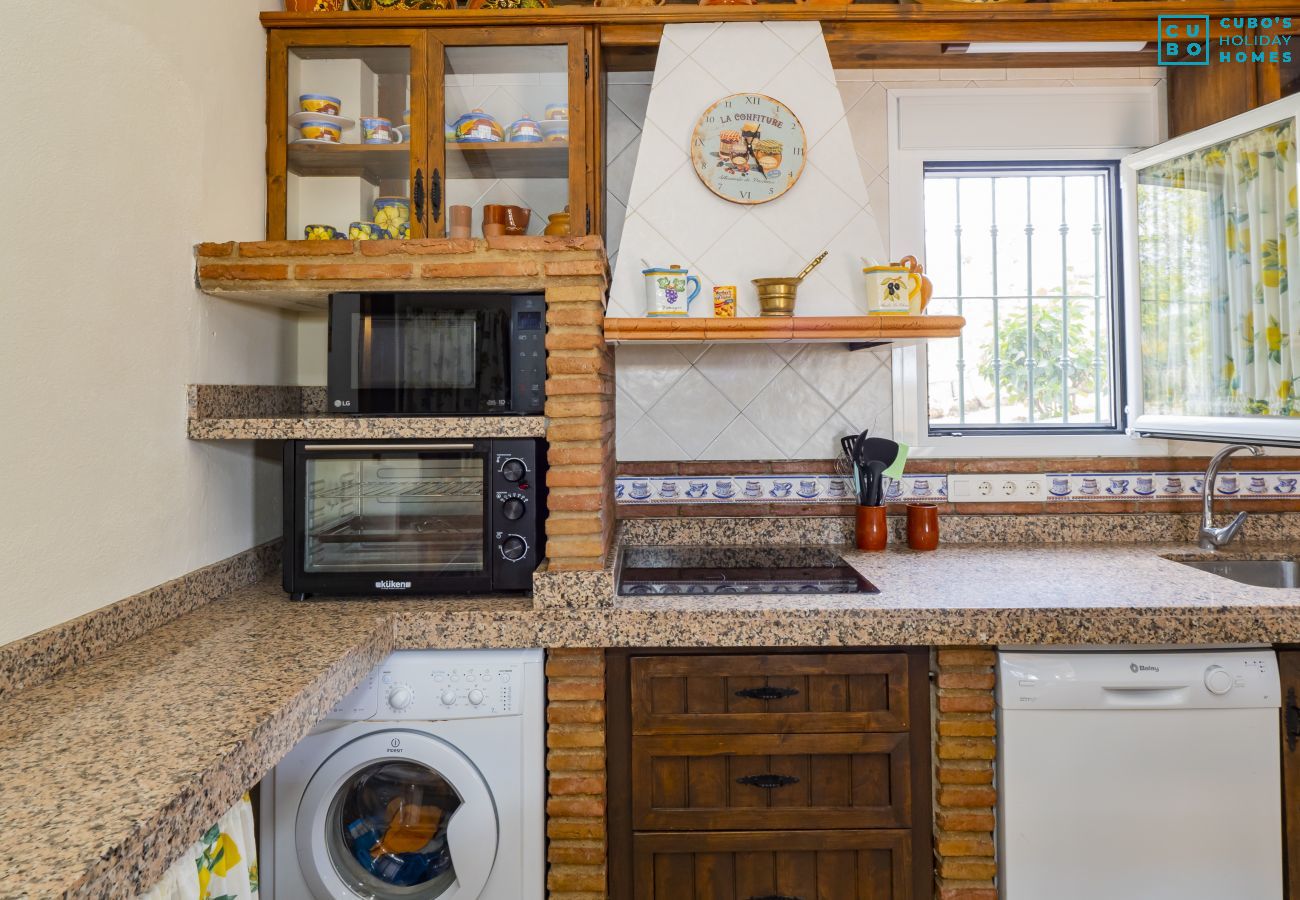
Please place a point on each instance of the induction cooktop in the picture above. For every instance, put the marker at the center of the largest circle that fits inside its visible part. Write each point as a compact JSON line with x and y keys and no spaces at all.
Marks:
{"x":649,"y":570}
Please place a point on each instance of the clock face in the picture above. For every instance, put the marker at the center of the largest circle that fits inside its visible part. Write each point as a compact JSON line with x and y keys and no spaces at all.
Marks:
{"x":748,"y":148}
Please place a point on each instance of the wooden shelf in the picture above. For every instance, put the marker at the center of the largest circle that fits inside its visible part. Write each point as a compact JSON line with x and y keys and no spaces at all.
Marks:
{"x":866,"y":330}
{"x":508,"y":160}
{"x":373,"y":162}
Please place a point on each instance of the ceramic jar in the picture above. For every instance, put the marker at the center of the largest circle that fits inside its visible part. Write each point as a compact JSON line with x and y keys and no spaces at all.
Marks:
{"x":391,"y":213}
{"x":477,"y":127}
{"x":524,"y":131}
{"x":665,"y":291}
{"x":557,"y":224}
{"x":892,"y":290}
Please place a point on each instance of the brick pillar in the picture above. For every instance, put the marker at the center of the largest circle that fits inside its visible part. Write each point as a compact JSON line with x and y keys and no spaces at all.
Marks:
{"x":580,"y":424}
{"x":965,"y":798}
{"x":575,"y":762}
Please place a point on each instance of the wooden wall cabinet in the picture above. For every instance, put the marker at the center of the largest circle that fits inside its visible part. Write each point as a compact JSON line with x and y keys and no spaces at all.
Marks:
{"x":759,"y":775}
{"x":430,"y":77}
{"x":1202,"y":95}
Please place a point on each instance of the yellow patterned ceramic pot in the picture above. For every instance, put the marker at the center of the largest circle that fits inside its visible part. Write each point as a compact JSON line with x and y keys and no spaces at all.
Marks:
{"x":321,"y":131}
{"x":320,"y":103}
{"x":322,"y":233}
{"x":366,"y":231}
{"x":393,"y":212}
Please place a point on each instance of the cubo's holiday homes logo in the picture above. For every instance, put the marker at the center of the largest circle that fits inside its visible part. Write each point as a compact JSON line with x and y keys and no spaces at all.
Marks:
{"x":1196,"y":41}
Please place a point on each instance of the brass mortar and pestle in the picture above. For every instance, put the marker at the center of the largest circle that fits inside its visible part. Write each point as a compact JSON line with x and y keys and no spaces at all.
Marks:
{"x":776,"y":295}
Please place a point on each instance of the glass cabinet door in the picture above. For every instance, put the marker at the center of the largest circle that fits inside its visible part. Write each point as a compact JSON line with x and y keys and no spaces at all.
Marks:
{"x":346,"y":156}
{"x":510,"y":105}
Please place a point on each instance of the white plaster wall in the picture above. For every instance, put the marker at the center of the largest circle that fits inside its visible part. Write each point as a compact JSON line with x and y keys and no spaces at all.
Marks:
{"x":134,"y":129}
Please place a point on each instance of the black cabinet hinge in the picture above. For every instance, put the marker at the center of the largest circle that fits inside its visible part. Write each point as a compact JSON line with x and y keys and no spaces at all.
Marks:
{"x":588,"y":230}
{"x":586,"y":65}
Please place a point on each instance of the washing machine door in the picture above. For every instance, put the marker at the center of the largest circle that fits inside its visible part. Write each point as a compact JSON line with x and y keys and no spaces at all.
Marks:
{"x":397,"y":814}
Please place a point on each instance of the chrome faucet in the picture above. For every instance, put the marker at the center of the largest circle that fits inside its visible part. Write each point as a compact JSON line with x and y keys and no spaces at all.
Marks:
{"x":1209,"y":537}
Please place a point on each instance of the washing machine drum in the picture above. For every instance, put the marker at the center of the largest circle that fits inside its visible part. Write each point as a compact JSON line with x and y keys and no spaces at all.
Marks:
{"x":397,"y":814}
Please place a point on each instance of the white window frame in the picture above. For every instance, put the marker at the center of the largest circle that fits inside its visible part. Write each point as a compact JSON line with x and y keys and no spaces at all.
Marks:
{"x":973,"y":135}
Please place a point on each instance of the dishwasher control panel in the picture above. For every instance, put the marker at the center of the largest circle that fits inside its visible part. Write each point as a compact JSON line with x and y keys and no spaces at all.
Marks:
{"x":1139,"y":679}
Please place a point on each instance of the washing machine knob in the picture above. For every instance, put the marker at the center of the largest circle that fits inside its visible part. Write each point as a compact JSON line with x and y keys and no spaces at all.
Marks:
{"x":448,"y":697}
{"x":476,"y":696}
{"x":1218,"y":680}
{"x":400,"y":696}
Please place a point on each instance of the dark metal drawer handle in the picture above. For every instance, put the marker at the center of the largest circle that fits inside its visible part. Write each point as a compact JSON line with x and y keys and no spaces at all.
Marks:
{"x":767,"y":781}
{"x":767,"y":693}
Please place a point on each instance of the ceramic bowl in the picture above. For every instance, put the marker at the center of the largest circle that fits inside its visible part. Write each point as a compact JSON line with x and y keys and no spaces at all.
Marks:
{"x":392,"y":212}
{"x":321,"y":233}
{"x":320,"y":103}
{"x":321,"y":131}
{"x":557,"y":111}
{"x":478,"y":127}
{"x":366,"y":231}
{"x":524,"y":131}
{"x":555,"y":131}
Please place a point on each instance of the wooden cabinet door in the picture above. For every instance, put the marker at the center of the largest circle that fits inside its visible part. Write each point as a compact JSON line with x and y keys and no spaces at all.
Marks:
{"x":803,"y":865}
{"x":1288,"y":664}
{"x":762,"y":782}
{"x":769,"y":693}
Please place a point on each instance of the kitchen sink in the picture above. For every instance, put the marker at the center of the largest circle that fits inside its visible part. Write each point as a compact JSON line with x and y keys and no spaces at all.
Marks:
{"x":1273,"y":573}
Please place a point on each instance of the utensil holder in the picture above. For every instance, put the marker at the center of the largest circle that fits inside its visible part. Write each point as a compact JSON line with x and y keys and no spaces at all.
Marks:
{"x":922,"y":526}
{"x":872,"y":528}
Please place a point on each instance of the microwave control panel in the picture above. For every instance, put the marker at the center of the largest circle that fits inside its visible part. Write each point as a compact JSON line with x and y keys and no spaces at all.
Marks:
{"x":516,"y":488}
{"x":528,"y":349}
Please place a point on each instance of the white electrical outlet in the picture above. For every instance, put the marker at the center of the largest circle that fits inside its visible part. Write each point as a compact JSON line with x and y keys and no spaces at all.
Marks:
{"x":1018,"y":488}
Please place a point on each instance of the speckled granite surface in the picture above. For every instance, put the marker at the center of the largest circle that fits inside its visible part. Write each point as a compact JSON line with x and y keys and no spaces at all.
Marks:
{"x":63,"y":647}
{"x":165,"y":732}
{"x":234,"y":412}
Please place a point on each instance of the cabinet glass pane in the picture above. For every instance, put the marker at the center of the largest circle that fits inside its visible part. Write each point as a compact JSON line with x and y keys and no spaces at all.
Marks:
{"x":349,"y":152}
{"x":1219,"y":272}
{"x":507,"y":129}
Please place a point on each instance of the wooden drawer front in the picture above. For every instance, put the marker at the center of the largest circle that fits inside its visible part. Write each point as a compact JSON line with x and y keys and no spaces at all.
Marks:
{"x":761,"y":782}
{"x":769,"y":693}
{"x":804,"y":865}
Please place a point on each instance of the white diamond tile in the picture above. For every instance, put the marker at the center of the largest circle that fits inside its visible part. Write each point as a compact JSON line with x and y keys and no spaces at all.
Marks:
{"x":878,"y":191}
{"x":818,"y":297}
{"x":797,"y":34}
{"x":647,"y":441}
{"x":686,"y":211}
{"x":620,"y":131}
{"x":693,"y":412}
{"x":680,"y":99}
{"x":614,"y":213}
{"x":646,"y":372}
{"x":748,"y":250}
{"x":657,"y":157}
{"x":639,"y":242}
{"x":689,"y":36}
{"x":740,"y":371}
{"x":836,"y":156}
{"x":620,"y":171}
{"x":626,"y":411}
{"x":787,"y":350}
{"x":868,"y":127}
{"x":631,"y":99}
{"x":741,"y":440}
{"x":787,"y":410}
{"x":851,"y":91}
{"x":836,"y":372}
{"x":642,"y":77}
{"x":669,"y":57}
{"x":744,"y":55}
{"x":865,"y":407}
{"x":824,"y":443}
{"x":814,"y":99}
{"x":860,"y":239}
{"x":808,"y":217}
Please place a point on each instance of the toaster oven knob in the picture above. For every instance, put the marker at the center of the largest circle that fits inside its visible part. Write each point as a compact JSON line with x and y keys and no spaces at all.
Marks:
{"x":513,"y":508}
{"x":513,"y":470}
{"x":514,"y":547}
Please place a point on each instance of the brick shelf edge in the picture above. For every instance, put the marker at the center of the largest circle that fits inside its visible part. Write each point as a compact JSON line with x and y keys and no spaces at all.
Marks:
{"x":965,"y":744}
{"x":572,"y":272}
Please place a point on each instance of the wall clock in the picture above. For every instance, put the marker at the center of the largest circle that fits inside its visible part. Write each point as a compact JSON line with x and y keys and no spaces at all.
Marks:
{"x":748,"y":148}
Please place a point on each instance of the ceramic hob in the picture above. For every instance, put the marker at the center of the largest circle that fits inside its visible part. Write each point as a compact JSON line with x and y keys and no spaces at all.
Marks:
{"x":738,"y":570}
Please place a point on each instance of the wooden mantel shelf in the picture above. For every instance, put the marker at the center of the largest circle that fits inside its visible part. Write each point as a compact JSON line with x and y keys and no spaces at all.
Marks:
{"x":841,"y":329}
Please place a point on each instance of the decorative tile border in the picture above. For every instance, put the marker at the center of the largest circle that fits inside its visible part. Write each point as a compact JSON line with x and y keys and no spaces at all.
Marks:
{"x":635,"y":490}
{"x":642,"y":490}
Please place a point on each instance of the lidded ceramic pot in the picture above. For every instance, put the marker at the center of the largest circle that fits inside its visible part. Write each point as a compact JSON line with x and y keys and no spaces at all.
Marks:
{"x":478,"y":127}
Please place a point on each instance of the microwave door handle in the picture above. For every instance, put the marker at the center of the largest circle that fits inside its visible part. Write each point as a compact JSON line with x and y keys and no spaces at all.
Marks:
{"x":382,"y":448}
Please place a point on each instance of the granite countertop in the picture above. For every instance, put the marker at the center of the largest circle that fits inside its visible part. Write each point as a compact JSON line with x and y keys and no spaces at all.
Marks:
{"x":109,"y":771}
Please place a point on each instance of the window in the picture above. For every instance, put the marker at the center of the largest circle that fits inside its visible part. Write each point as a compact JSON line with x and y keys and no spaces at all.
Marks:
{"x":1027,"y":252}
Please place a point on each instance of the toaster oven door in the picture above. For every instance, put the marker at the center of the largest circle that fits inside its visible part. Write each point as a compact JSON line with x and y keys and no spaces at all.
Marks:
{"x":419,"y":354}
{"x":396,"y":518}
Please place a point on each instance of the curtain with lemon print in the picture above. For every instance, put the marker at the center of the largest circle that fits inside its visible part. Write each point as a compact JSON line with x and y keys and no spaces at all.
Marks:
{"x":222,"y":865}
{"x":1220,"y":314}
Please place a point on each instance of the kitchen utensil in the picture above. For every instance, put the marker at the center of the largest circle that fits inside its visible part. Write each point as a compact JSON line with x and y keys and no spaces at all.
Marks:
{"x":922,"y":526}
{"x":378,"y":130}
{"x":665,"y":291}
{"x":860,"y":460}
{"x":872,"y":476}
{"x":871,"y":528}
{"x":891,"y":289}
{"x":776,"y":296}
{"x":895,"y":469}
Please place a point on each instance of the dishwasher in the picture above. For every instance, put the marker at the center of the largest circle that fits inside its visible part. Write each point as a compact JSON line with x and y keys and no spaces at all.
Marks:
{"x":1139,"y":776}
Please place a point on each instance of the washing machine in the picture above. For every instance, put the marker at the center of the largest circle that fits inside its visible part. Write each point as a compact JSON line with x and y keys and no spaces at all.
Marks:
{"x":426,"y":783}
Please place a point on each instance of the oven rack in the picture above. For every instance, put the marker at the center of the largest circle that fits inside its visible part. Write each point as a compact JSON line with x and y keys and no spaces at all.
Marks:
{"x":448,"y":531}
{"x":443,"y":487}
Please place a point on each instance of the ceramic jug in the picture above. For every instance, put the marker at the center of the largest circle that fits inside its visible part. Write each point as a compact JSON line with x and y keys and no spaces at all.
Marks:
{"x":665,"y":291}
{"x":892,"y":290}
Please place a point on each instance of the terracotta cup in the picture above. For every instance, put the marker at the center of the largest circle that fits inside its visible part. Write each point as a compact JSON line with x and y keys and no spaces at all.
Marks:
{"x":515,"y":218}
{"x":922,"y":526}
{"x":462,"y":221}
{"x":872,"y":531}
{"x":494,"y":220}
